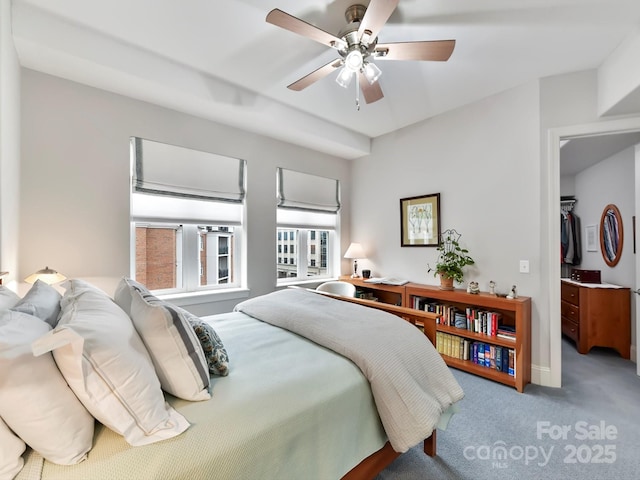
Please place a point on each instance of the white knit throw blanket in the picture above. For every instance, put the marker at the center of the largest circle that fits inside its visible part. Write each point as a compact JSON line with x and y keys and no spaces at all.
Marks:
{"x":411,"y":385}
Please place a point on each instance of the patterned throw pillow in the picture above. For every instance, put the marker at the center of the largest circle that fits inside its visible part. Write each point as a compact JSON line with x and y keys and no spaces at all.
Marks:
{"x":214,"y":350}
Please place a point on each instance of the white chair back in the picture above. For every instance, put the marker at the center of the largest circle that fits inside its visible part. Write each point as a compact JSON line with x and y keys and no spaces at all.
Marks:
{"x":338,"y":287}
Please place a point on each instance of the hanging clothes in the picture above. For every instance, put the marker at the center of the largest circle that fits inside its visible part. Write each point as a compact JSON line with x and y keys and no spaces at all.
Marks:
{"x":570,"y":239}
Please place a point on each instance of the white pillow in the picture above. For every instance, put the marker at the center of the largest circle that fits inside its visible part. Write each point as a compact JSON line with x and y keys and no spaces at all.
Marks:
{"x":11,"y":461}
{"x":171,"y":342}
{"x":35,"y":401}
{"x":8,"y":298}
{"x":42,"y":301}
{"x":106,"y":364}
{"x":123,"y":296}
{"x":215,"y":354}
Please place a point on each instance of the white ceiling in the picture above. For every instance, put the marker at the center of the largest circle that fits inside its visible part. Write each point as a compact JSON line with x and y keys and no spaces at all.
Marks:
{"x":221,"y":60}
{"x":581,"y":153}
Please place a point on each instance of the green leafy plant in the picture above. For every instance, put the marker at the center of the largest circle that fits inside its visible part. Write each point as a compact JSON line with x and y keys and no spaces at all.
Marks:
{"x":452,"y":258}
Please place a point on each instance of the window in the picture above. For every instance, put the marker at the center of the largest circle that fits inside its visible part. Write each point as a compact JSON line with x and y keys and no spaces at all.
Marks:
{"x":162,"y":259}
{"x":188,"y":234}
{"x":307,"y":223}
{"x":313,"y":255}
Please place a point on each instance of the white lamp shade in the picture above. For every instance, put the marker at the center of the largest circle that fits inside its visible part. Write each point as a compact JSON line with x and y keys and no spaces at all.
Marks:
{"x":47,"y":275}
{"x":355,"y":250}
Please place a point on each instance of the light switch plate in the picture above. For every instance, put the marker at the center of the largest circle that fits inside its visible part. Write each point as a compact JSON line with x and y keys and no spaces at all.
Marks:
{"x":524,"y":266}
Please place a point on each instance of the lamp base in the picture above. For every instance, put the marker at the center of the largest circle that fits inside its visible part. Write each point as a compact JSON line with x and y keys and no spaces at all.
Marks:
{"x":355,"y":275}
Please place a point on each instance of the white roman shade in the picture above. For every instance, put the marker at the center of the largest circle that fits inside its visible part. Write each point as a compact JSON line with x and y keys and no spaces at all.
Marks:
{"x":303,"y":191}
{"x":162,"y":169}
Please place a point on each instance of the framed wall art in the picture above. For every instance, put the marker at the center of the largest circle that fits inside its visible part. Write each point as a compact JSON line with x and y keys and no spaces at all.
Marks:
{"x":420,"y":221}
{"x":592,"y":237}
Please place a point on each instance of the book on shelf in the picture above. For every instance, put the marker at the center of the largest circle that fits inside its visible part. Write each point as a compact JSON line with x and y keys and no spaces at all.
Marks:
{"x":387,"y":280}
{"x":486,"y":355}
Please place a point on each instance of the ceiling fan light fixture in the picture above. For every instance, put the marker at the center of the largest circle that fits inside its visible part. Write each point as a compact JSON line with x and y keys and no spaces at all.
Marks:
{"x":357,"y":45}
{"x":353,"y":61}
{"x":371,"y":72}
{"x":344,"y":77}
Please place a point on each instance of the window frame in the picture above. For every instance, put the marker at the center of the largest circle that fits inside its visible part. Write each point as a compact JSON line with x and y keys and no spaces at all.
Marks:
{"x":301,"y":258}
{"x":188,"y":263}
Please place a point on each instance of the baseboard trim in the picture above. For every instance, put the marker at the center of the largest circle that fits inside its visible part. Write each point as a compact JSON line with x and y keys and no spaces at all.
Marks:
{"x":542,"y":376}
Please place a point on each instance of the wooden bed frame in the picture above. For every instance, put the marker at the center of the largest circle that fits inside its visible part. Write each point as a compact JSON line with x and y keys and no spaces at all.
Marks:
{"x":378,"y":461}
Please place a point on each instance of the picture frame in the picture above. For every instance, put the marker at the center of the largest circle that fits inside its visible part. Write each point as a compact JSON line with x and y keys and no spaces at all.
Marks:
{"x":591,"y":234}
{"x":633,"y":220}
{"x":420,"y":221}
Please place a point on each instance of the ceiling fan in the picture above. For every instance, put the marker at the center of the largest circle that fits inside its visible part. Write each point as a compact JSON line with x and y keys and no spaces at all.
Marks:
{"x":357,"y":45}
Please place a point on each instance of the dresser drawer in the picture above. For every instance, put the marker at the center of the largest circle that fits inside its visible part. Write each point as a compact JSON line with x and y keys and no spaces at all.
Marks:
{"x":570,"y":311}
{"x":570,"y":293}
{"x":571,"y":329}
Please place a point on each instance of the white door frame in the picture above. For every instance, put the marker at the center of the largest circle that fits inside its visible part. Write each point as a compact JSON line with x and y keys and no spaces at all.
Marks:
{"x":622,"y":125}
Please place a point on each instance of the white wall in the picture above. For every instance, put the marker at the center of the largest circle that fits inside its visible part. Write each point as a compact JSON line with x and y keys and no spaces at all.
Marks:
{"x":609,"y":181}
{"x":9,"y":147}
{"x":619,"y":78}
{"x":490,"y":161}
{"x":74,"y":204}
{"x":567,"y":185}
{"x":484,"y":160}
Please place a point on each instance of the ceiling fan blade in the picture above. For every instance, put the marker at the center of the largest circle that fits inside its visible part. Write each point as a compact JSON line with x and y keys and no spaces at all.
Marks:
{"x":283,"y":20}
{"x":435,"y":50}
{"x":377,"y":14}
{"x":372,"y":93}
{"x":316,"y":75}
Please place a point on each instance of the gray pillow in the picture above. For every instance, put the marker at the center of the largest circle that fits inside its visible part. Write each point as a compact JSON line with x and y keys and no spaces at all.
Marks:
{"x":42,"y":301}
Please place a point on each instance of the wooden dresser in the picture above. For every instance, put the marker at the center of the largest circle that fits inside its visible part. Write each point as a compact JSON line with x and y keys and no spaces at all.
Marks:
{"x":596,"y":315}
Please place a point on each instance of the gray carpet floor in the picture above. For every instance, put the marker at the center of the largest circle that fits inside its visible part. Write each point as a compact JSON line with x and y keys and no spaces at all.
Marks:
{"x":588,"y":429}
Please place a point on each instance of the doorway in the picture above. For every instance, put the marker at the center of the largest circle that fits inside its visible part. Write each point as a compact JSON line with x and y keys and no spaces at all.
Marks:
{"x":556,"y":137}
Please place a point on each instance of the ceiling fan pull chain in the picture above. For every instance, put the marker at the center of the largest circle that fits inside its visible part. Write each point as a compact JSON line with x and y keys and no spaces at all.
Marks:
{"x":357,"y":93}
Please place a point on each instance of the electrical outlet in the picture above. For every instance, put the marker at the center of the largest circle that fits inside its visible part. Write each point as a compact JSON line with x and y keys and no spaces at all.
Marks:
{"x":524,"y":266}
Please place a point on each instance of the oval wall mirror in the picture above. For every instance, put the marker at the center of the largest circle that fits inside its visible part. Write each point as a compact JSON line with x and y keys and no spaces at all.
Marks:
{"x":611,"y":235}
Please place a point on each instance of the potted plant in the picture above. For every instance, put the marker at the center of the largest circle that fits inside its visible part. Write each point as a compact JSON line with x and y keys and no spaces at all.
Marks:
{"x":452,"y":258}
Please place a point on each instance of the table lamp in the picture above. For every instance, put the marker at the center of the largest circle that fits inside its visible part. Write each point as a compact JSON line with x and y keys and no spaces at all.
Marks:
{"x":47,"y":275}
{"x":355,"y":251}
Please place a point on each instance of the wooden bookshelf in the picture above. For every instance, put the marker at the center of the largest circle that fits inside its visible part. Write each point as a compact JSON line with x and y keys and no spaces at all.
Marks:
{"x":392,"y":294}
{"x":515,"y":312}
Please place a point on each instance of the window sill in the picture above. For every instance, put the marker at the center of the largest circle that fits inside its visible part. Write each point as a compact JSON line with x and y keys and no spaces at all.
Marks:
{"x":209,"y":296}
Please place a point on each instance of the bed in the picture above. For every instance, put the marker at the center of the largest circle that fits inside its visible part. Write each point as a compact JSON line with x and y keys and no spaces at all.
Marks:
{"x":289,"y":408}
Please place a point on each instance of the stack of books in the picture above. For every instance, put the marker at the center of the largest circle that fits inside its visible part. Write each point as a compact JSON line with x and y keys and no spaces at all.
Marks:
{"x":507,"y":331}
